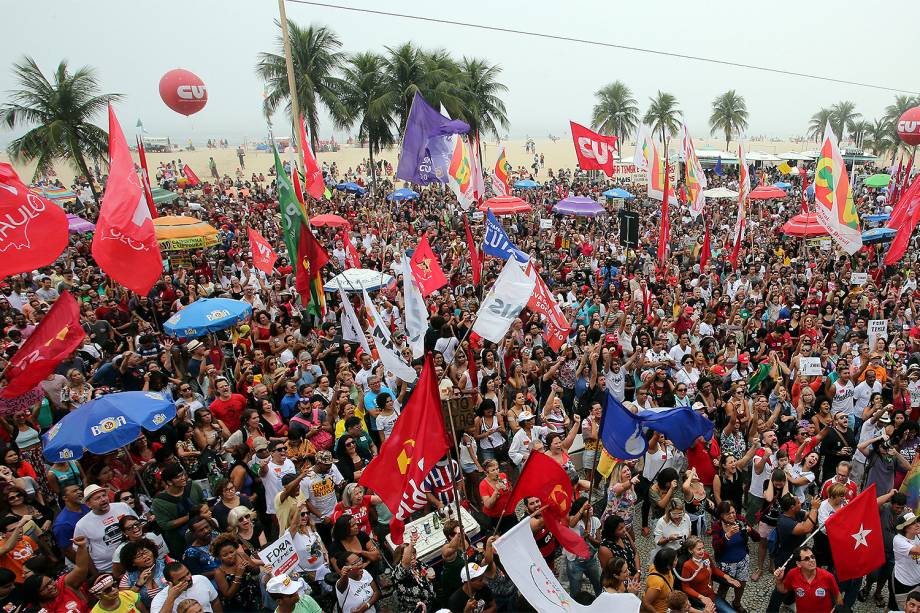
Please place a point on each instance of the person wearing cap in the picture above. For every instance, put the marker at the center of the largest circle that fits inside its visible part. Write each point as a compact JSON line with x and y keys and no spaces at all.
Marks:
{"x":320,"y":490}
{"x":272,"y":469}
{"x":527,"y":438}
{"x":356,"y":590}
{"x":112,"y":599}
{"x":289,"y":595}
{"x":906,"y":547}
{"x":474,"y":596}
{"x":100,"y":526}
{"x":877,"y":424}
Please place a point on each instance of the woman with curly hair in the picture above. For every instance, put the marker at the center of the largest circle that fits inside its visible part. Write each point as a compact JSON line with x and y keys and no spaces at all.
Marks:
{"x":143,"y":569}
{"x":237,"y":578}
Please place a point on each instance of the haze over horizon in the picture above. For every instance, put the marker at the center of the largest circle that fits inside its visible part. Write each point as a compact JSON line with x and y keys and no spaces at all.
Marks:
{"x":550,"y":82}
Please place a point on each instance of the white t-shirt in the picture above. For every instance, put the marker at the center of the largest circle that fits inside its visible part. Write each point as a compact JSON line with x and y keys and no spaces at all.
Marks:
{"x":616,"y":383}
{"x":319,"y":489}
{"x":580,"y":529}
{"x":757,"y":481}
{"x":102,"y":534}
{"x":861,"y":395}
{"x":796,"y":471}
{"x":906,"y":566}
{"x":843,"y":398}
{"x":201,"y":590}
{"x":271,"y":481}
{"x":356,"y":593}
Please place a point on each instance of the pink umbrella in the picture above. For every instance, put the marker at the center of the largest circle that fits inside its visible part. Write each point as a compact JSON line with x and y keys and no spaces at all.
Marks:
{"x":505,"y":205}
{"x":767,"y":192}
{"x":78,"y":225}
{"x":804,"y":225}
{"x":333,"y":221}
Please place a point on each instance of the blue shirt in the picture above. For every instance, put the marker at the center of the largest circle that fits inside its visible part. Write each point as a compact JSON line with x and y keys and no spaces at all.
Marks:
{"x":198,"y":560}
{"x":370,"y":402}
{"x":289,"y":405}
{"x":64,"y":525}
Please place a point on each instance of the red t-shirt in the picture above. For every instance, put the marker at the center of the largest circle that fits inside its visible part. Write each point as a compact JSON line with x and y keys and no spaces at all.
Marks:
{"x":700,"y":457}
{"x":852,"y":490}
{"x":229,"y":411}
{"x":67,"y":600}
{"x":818,"y":596}
{"x":361,"y":513}
{"x":486,"y":490}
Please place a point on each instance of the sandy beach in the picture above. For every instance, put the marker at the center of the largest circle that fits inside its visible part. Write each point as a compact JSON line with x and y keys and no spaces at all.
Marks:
{"x":559,"y":153}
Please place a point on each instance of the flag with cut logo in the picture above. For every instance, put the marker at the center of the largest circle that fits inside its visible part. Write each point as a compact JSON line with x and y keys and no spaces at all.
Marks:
{"x":834,"y":205}
{"x":145,"y":177}
{"x":501,"y":177}
{"x":556,"y":327}
{"x":744,"y":191}
{"x":418,"y":441}
{"x":594,"y":151}
{"x":694,"y":177}
{"x":263,"y":256}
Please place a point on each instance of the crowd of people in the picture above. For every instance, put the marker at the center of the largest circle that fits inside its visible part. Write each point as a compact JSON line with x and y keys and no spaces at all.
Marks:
{"x":278,"y":417}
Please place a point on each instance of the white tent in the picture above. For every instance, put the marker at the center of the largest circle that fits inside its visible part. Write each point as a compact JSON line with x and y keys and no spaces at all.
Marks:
{"x":796,"y":155}
{"x":757,"y":156}
{"x":720,"y":192}
{"x":714,"y":154}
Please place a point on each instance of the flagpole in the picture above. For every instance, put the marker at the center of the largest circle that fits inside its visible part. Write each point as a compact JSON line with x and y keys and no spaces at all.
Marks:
{"x":292,"y":84}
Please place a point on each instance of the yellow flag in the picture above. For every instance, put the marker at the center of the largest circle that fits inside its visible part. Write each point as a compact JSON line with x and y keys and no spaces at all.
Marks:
{"x":785,"y":168}
{"x":606,"y":464}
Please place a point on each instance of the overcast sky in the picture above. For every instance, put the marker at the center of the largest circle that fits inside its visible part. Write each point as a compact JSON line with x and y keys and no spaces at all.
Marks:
{"x":550,"y":82}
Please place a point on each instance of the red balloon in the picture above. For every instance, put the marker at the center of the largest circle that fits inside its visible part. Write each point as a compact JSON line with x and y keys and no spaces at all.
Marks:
{"x":909,"y":126}
{"x":183,"y":91}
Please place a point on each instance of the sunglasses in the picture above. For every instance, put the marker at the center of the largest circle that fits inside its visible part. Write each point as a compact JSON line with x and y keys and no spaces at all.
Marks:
{"x":806,"y":558}
{"x":280,"y":449}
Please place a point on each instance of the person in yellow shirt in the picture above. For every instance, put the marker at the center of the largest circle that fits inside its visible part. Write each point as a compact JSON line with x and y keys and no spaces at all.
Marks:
{"x":113,"y":600}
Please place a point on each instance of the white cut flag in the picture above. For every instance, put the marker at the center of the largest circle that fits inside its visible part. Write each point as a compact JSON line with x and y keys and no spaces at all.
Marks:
{"x":506,"y":299}
{"x":415,"y":311}
{"x":381,"y":335}
{"x":351,"y":326}
{"x":521,"y":559}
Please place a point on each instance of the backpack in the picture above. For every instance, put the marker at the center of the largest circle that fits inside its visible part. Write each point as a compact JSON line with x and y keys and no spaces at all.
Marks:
{"x":322,"y":440}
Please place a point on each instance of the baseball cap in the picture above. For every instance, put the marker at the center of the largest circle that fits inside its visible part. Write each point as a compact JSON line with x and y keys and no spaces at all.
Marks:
{"x":90,"y":490}
{"x":282,"y":584}
{"x":472,"y":571}
{"x":744,"y":358}
{"x":524,"y":416}
{"x":259,"y":443}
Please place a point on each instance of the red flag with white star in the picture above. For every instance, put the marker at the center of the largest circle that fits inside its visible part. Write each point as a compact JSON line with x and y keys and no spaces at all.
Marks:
{"x":425,"y":268}
{"x":855,"y":535}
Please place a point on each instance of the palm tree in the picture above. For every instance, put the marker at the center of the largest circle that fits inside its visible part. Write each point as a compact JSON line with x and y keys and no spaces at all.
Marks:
{"x":480,"y":92}
{"x":62,"y":110}
{"x":369,"y":102}
{"x":316,"y":56}
{"x":405,"y":71}
{"x":893,"y":113}
{"x":441,"y":84}
{"x":729,"y":115}
{"x":663,"y":115}
{"x":616,"y":111}
{"x":817,"y":124}
{"x":878,"y":138}
{"x":843,"y":117}
{"x":859,"y":130}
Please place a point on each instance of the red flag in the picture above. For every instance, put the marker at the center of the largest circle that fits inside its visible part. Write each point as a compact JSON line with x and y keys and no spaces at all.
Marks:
{"x":313,"y":176}
{"x":544,"y":478}
{"x":125,"y":245}
{"x":905,"y":180}
{"x":542,"y":301}
{"x":664,"y":231}
{"x":909,"y":209}
{"x":893,"y":184}
{"x":311,"y":257}
{"x":418,"y":441}
{"x":33,"y":230}
{"x":425,"y":268}
{"x":352,"y":257}
{"x":58,"y":334}
{"x":594,"y":151}
{"x":263,"y":256}
{"x":145,"y":178}
{"x":474,"y":251}
{"x":193,"y":180}
{"x":706,"y":251}
{"x":855,"y":536}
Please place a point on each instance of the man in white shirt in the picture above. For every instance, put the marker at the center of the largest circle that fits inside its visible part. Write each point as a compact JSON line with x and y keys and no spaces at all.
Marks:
{"x":100,"y":526}
{"x":657,"y":356}
{"x":184,"y":585}
{"x":319,"y":490}
{"x":862,"y":393}
{"x":679,"y":350}
{"x":524,"y":441}
{"x":363,"y":376}
{"x":276,"y":466}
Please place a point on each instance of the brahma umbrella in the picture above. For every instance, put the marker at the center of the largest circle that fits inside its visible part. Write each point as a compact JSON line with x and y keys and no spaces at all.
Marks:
{"x":106,"y":424}
{"x":505,"y":205}
{"x":804,"y":225}
{"x":352,"y":188}
{"x":526,"y":184}
{"x":330,"y":220}
{"x":207,"y":315}
{"x":767,"y":192}
{"x":617,"y":192}
{"x":878,"y":235}
{"x":403,"y":193}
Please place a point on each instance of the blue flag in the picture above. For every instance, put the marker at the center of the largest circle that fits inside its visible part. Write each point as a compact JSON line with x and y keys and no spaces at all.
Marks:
{"x":426,"y":150}
{"x":718,"y":168}
{"x":622,"y":430}
{"x":496,"y":242}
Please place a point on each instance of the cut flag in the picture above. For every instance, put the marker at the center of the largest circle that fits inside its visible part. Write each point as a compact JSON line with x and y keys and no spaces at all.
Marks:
{"x":694,"y":177}
{"x":352,"y":257}
{"x":125,"y":244}
{"x":744,"y":191}
{"x":426,"y":153}
{"x":594,"y":151}
{"x":501,"y":178}
{"x":425,"y":268}
{"x":834,"y":198}
{"x":145,"y":178}
{"x":312,"y":176}
{"x":418,"y":441}
{"x":855,"y":536}
{"x":263,"y":256}
{"x":193,"y":180}
{"x":311,"y":257}
{"x":496,"y":243}
{"x":557,"y":328}
{"x":33,"y":232}
{"x":909,"y":205}
{"x":57,"y":335}
{"x":544,"y":478}
{"x":351,"y":326}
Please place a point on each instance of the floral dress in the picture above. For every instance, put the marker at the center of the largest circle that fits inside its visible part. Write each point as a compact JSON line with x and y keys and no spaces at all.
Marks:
{"x":620,"y":504}
{"x":412,"y":586}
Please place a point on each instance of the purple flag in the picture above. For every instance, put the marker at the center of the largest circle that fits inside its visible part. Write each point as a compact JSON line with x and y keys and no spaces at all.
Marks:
{"x":426,"y":150}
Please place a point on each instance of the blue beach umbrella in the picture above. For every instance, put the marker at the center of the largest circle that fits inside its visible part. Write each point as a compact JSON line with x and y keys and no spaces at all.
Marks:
{"x":878,"y":235}
{"x":403,"y":193}
{"x":350,"y":187}
{"x":207,"y":315}
{"x":782,"y":185}
{"x":616,"y":192}
{"x":877,"y":217}
{"x":526,"y":184}
{"x":106,"y":424}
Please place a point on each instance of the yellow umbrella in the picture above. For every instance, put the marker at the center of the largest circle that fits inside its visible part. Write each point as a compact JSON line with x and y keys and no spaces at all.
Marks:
{"x":176,"y":233}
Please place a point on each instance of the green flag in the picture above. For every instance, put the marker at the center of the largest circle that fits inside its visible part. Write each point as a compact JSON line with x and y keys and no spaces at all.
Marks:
{"x":291,"y":214}
{"x":762,"y":373}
